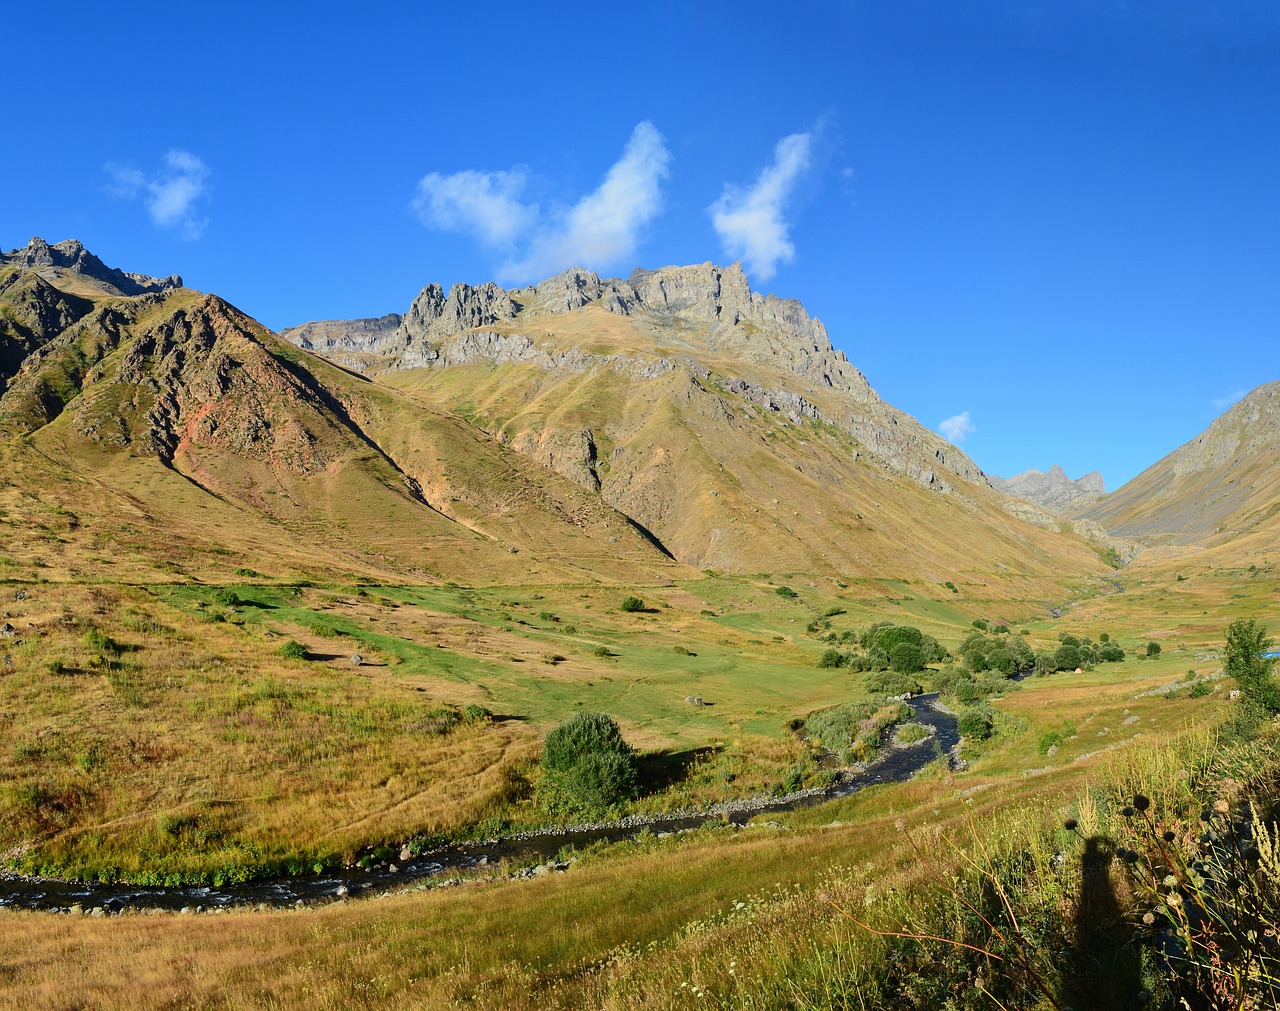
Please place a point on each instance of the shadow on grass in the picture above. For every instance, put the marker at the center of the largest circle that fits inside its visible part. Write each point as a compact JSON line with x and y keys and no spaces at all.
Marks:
{"x":1108,"y":969}
{"x":660,"y":770}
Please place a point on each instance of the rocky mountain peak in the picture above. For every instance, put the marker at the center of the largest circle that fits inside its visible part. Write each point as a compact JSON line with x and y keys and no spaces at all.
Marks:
{"x":70,"y":256}
{"x":1053,"y":491}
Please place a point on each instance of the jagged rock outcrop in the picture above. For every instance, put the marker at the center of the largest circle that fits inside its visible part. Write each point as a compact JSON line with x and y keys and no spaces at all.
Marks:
{"x":69,"y":255}
{"x":434,"y":316}
{"x":1053,"y":491}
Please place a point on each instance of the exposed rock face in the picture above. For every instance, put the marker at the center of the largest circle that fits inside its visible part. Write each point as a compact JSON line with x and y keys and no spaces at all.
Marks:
{"x":1053,"y":491}
{"x":70,"y":255}
{"x":334,"y":338}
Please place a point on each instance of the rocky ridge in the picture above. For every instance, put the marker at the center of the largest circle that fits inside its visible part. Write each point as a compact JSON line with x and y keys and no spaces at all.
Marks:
{"x":702,"y":320}
{"x":71,"y":257}
{"x":1053,"y":491}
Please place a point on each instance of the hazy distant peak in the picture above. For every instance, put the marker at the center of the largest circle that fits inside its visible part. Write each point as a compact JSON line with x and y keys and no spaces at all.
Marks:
{"x":1053,"y":491}
{"x":69,"y":255}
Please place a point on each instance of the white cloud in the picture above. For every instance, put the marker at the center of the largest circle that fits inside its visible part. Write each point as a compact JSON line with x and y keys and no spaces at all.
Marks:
{"x":601,"y":230}
{"x":485,"y":205}
{"x":750,"y":222}
{"x":604,"y":227}
{"x":956,"y":429}
{"x":172,"y":195}
{"x":1222,"y":403}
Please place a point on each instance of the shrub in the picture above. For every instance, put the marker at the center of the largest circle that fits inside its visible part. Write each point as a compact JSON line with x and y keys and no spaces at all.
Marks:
{"x":980,"y":623}
{"x":681,"y":650}
{"x":1153,"y":649}
{"x":226,"y":596}
{"x":830,"y":658}
{"x":786,"y":591}
{"x":603,"y":651}
{"x":475,"y":713}
{"x":293,"y":650}
{"x":632,"y":604}
{"x":977,"y":723}
{"x":892,"y":683}
{"x":587,"y":766}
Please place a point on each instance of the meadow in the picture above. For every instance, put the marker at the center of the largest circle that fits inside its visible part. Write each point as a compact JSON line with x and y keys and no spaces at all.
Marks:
{"x":155,"y":731}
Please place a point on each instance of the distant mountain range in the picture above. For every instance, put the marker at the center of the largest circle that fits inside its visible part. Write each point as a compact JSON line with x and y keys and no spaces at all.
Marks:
{"x":1054,"y":490}
{"x":577,"y":428}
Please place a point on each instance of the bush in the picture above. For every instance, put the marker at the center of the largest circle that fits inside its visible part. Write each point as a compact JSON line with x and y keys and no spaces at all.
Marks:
{"x":587,"y":766}
{"x":976,"y":724}
{"x":892,"y":683}
{"x":1153,"y":649}
{"x":475,"y":713}
{"x":293,"y":650}
{"x":786,"y":591}
{"x":226,"y":597}
{"x":632,"y":604}
{"x":831,"y":658}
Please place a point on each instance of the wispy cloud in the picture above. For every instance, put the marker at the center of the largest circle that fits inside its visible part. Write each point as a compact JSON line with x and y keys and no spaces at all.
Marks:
{"x":957,"y":428}
{"x":1222,"y":403}
{"x":173,"y":195}
{"x":604,"y":227}
{"x":750,"y":221}
{"x":601,"y":230}
{"x":485,"y":205}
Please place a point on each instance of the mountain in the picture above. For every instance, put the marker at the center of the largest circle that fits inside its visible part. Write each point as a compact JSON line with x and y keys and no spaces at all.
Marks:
{"x":173,"y":427}
{"x":721,"y":420}
{"x":1220,"y":491}
{"x":1053,"y":491}
{"x":78,"y":269}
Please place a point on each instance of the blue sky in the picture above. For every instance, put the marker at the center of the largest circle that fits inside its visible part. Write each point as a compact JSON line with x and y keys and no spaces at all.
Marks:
{"x":1058,"y":219}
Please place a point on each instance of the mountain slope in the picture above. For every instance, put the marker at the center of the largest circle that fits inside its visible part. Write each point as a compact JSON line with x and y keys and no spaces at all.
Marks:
{"x":177,"y":409}
{"x":1220,"y":491}
{"x":722,"y":421}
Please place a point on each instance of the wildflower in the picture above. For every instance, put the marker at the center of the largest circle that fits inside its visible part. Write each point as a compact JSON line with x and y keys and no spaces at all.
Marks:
{"x":1221,"y":806}
{"x":1070,"y":824}
{"x":1173,"y":900}
{"x":1127,"y":812}
{"x":1148,"y":918}
{"x":1141,"y":802}
{"x":1170,"y":880}
{"x":1169,"y":836}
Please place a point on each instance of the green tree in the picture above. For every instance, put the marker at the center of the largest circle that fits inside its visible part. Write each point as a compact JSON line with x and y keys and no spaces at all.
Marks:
{"x":1244,"y":661}
{"x":1153,"y":649}
{"x":906,"y":658}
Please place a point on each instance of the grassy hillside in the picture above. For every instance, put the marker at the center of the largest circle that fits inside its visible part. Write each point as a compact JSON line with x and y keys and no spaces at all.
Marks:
{"x":1217,"y":494}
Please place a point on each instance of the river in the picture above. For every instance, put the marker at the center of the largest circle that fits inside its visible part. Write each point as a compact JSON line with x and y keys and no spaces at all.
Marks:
{"x":896,"y":765}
